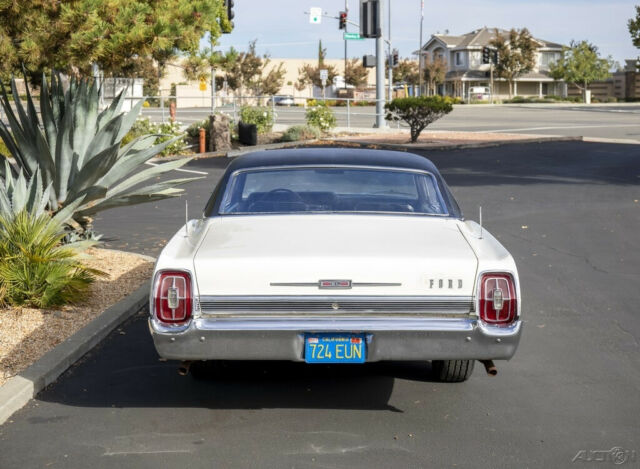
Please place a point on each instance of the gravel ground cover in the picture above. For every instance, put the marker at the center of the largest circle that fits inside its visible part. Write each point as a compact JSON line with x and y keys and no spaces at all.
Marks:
{"x":26,"y":334}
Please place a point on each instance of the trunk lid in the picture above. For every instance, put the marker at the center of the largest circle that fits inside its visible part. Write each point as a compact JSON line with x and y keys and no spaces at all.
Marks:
{"x":414,"y":256}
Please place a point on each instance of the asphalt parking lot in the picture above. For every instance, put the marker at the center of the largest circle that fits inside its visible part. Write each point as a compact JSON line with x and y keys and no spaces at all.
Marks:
{"x":568,"y":212}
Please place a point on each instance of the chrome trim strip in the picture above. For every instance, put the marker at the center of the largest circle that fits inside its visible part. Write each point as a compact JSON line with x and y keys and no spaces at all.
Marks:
{"x":376,"y":284}
{"x":337,"y":304}
{"x":353,"y":284}
{"x":294,"y":284}
{"x":338,"y":324}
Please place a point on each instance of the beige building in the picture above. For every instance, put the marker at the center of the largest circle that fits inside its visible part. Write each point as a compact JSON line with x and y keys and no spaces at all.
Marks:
{"x":191,"y":94}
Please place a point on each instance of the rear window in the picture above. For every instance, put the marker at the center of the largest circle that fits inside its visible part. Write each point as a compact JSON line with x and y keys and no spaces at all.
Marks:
{"x":331,"y":190}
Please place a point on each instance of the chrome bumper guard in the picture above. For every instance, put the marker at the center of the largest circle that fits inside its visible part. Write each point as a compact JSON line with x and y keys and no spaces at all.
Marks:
{"x":397,"y":339}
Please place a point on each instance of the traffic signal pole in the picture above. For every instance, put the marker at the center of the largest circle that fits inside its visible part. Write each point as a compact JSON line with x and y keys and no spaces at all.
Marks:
{"x":420,"y":50}
{"x":390,"y":57}
{"x":380,"y":122}
{"x":491,"y":74}
{"x":346,"y":9}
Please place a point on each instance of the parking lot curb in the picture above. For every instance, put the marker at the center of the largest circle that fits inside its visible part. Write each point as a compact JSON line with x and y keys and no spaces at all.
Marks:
{"x":17,"y":391}
{"x":456,"y":146}
{"x":346,"y":142}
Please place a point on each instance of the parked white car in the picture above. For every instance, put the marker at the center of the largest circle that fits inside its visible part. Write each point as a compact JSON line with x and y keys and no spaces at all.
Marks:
{"x":335,"y":256}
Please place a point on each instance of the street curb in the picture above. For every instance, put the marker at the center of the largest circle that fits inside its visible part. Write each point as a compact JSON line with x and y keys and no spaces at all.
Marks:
{"x":334,"y":142}
{"x":408,"y":147}
{"x":622,"y":141}
{"x":17,"y":391}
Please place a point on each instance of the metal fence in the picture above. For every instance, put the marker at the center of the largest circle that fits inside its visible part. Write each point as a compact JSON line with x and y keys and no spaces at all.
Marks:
{"x":287,"y":110}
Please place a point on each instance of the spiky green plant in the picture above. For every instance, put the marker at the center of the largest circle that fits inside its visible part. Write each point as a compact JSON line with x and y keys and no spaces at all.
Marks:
{"x":76,"y":149}
{"x":35,"y":268}
{"x":17,"y":194}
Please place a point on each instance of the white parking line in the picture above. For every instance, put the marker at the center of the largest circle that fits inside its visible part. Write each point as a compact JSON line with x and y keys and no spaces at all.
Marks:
{"x":203,"y":173}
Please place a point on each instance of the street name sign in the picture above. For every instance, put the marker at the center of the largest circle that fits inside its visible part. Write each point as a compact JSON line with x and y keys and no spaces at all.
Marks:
{"x":353,"y":36}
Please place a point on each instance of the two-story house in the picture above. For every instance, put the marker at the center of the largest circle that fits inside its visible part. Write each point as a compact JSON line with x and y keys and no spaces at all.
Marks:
{"x":465,"y":70}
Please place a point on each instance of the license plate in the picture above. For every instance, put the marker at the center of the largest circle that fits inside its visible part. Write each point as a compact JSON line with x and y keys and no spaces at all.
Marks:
{"x":334,"y":348}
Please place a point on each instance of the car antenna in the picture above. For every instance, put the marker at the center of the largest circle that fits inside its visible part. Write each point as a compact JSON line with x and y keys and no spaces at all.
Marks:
{"x":480,"y":216}
{"x":186,"y":218}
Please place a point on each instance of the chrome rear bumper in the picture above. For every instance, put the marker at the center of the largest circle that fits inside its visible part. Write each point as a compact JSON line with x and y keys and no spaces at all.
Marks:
{"x":395,"y":338}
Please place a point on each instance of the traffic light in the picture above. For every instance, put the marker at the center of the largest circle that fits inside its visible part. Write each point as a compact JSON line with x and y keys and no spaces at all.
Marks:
{"x":368,"y":61}
{"x":496,"y":58}
{"x":370,"y":19}
{"x":394,"y":58}
{"x":228,"y":6}
{"x":486,"y":55}
{"x":343,"y":20}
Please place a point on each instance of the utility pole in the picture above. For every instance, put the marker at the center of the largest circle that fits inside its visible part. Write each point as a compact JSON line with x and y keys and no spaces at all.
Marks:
{"x":212,"y":70}
{"x":380,"y":122}
{"x":390,"y":56}
{"x":420,"y":49}
{"x":491,"y":73}
{"x":346,"y":9}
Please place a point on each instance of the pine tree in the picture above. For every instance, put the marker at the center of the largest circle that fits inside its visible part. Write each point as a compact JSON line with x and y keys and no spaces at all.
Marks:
{"x":71,"y":35}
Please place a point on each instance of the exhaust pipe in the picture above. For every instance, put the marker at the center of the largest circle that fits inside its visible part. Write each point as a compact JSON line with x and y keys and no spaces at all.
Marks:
{"x":490,"y":367}
{"x":183,"y":369}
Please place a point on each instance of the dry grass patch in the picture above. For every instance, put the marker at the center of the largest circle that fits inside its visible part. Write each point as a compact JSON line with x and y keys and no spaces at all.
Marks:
{"x":28,"y":333}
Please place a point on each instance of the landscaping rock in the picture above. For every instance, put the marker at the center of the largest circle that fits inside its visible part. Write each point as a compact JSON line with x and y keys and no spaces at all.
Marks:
{"x":219,"y":134}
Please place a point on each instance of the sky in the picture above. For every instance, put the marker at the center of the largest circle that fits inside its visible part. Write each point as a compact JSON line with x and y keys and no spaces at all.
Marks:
{"x":283,"y":30}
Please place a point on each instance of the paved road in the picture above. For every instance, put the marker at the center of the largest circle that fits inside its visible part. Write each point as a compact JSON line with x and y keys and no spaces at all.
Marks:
{"x":569,"y":213}
{"x":620,"y":122}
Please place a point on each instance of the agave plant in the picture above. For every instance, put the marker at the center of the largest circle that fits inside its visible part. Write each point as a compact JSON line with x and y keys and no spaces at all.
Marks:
{"x":17,"y":194}
{"x":75,"y":149}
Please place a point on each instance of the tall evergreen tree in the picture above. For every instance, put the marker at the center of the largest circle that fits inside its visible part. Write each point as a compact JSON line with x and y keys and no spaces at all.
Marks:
{"x":71,"y":35}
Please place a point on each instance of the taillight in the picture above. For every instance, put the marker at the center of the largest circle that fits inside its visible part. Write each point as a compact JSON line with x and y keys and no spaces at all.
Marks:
{"x":497,"y":300}
{"x":172,"y":297}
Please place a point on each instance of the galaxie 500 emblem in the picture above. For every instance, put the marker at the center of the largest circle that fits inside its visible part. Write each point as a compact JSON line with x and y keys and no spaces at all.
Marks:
{"x":334,"y":284}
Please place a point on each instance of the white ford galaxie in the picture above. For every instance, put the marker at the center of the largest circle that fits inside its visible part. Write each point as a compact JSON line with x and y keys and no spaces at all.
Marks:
{"x":335,"y":256}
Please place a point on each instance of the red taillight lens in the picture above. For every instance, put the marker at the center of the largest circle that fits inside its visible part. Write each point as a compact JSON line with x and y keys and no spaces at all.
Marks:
{"x":172,"y":297}
{"x":497,"y":301}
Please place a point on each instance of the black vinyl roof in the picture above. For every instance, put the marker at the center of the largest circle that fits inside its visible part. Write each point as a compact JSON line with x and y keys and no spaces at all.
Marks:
{"x":331,"y":156}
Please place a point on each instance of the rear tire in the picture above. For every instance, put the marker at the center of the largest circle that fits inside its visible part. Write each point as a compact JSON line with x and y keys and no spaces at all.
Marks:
{"x":452,"y":371}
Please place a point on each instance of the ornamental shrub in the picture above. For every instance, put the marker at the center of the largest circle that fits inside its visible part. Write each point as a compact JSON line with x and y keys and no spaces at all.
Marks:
{"x":36,"y":269}
{"x":164,"y":131}
{"x":300,"y":132}
{"x":418,"y":112}
{"x":321,"y":117}
{"x":262,"y":117}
